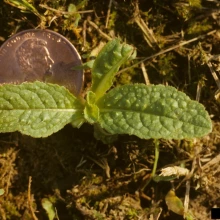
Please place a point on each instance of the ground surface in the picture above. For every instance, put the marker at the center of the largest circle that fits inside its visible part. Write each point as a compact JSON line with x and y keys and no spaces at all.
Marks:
{"x":86,"y":179}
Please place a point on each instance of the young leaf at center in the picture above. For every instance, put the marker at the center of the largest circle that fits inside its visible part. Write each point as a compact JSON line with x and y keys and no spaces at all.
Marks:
{"x":91,"y":111}
{"x":152,"y":112}
{"x":106,"y":65}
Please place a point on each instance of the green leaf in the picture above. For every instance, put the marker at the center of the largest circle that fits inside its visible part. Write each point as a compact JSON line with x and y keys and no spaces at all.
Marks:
{"x":106,"y":65}
{"x":91,"y":111}
{"x":49,"y":208}
{"x":152,"y":112}
{"x":87,"y":65}
{"x":2,"y":192}
{"x":174,"y":203}
{"x":37,"y":109}
{"x":158,"y":178}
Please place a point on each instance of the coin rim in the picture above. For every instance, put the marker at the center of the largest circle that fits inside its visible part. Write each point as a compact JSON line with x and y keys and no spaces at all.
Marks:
{"x":57,"y":34}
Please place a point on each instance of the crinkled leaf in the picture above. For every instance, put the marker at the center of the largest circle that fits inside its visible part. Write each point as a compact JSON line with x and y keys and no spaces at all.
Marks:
{"x":37,"y":109}
{"x":152,"y":112}
{"x":106,"y":65}
{"x":91,"y":111}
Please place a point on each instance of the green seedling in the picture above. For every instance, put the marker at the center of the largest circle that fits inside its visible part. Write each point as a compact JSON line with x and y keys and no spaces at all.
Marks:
{"x":39,"y":109}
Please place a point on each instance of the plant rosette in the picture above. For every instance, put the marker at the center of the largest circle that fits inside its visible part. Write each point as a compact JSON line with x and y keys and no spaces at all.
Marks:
{"x":39,"y":109}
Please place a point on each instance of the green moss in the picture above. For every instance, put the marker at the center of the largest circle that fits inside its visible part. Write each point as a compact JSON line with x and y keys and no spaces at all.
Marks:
{"x":10,"y":210}
{"x":199,"y":27}
{"x":165,"y":65}
{"x":195,"y":3}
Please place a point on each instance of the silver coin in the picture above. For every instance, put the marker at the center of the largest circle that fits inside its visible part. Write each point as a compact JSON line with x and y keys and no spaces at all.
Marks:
{"x":41,"y":55}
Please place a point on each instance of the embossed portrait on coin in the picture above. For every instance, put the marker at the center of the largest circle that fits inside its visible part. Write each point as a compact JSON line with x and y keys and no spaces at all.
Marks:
{"x":34,"y":59}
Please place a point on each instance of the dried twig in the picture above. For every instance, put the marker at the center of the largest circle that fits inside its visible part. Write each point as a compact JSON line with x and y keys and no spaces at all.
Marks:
{"x":217,"y":80}
{"x":198,"y":91}
{"x":189,"y":69}
{"x":103,"y":163}
{"x":100,"y":32}
{"x":194,"y":163}
{"x":30,"y":200}
{"x":186,"y":201}
{"x":208,"y":59}
{"x":84,"y":33}
{"x":144,"y":71}
{"x":168,"y":49}
{"x":108,"y":13}
{"x":147,"y":32}
{"x":215,"y":160}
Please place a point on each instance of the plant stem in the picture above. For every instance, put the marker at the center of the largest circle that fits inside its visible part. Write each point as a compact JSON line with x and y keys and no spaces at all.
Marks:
{"x":157,"y":151}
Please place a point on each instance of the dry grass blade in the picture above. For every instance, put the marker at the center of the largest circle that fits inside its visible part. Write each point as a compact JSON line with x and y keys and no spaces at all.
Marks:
{"x":144,"y":71}
{"x":147,"y":32}
{"x":104,"y":35}
{"x":108,"y":13}
{"x":215,"y":76}
{"x":167,"y":50}
{"x":215,"y":160}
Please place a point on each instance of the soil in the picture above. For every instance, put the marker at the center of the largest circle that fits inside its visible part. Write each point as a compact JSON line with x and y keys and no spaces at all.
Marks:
{"x":83,"y":178}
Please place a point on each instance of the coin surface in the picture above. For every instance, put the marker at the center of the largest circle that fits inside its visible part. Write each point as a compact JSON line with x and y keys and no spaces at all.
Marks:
{"x":41,"y":55}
